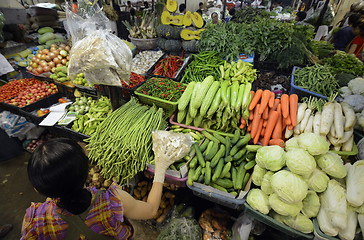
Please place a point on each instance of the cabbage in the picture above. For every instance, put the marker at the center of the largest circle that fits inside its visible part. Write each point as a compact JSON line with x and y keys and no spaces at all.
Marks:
{"x":258,"y":200}
{"x":282,"y":208}
{"x":292,"y":144}
{"x":352,"y":220}
{"x":332,"y":164}
{"x":271,"y":158}
{"x":317,"y":181}
{"x":325,"y":223}
{"x":311,"y":204}
{"x":313,"y":143}
{"x":300,"y":161}
{"x":258,"y":175}
{"x":289,"y":187}
{"x":333,"y":200}
{"x":299,"y":222}
{"x":266,"y":186}
{"x":355,"y":183}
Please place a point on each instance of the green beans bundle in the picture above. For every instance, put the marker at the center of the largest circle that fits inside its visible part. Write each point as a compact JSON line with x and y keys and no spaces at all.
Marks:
{"x":122,"y":143}
{"x":318,"y":79}
{"x":203,"y":64}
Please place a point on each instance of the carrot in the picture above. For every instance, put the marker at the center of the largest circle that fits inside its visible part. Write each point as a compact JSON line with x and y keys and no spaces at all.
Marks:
{"x":271,"y":100}
{"x":259,"y":129}
{"x":264,"y":101}
{"x":255,"y":99}
{"x":255,"y":122}
{"x":262,"y":132}
{"x":252,"y":93}
{"x":275,"y":105}
{"x":272,"y":121}
{"x":251,"y":115}
{"x":290,"y":127}
{"x":249,"y":129}
{"x":265,"y":122}
{"x":277,"y":141}
{"x":283,"y":123}
{"x":277,"y":132}
{"x":243,"y":123}
{"x":265,"y":113}
{"x":288,"y":120}
{"x":293,"y":106}
{"x":285,"y":105}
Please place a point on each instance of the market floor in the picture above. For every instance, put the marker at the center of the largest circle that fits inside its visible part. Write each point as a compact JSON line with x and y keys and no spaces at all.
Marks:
{"x":16,"y":194}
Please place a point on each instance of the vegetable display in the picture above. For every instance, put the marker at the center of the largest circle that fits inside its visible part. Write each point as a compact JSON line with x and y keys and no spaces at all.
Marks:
{"x":135,"y":79}
{"x":145,"y":60}
{"x":82,"y":105}
{"x":163,"y":88}
{"x":342,"y":62}
{"x":14,"y":87}
{"x":223,"y":162}
{"x":122,"y":144}
{"x":60,"y":75}
{"x":168,"y":66}
{"x":81,"y":80}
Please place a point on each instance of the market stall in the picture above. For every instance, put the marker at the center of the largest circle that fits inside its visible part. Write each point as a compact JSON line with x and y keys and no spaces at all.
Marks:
{"x":275,"y":119}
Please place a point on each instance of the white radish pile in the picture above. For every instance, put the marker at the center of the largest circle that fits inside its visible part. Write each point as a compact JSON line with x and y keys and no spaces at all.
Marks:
{"x":335,"y":123}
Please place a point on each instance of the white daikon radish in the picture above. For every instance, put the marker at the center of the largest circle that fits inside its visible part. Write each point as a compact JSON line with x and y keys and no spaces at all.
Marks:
{"x":347,"y":135}
{"x":327,"y":118}
{"x":288,"y":133}
{"x":333,"y":130}
{"x":316,"y":123}
{"x":308,"y":128}
{"x":296,"y":129}
{"x":339,"y":120}
{"x":305,"y":119}
{"x":333,"y":140}
{"x":338,"y":147}
{"x":361,"y":223}
{"x":349,"y":113}
{"x":301,"y":112}
{"x":348,"y":145}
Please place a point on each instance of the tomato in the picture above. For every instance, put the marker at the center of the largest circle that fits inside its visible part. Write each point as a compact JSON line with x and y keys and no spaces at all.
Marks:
{"x":62,"y":100}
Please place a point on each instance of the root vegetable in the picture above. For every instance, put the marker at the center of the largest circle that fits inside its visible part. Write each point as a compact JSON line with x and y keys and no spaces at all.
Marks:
{"x":288,"y":133}
{"x":327,"y":118}
{"x":297,"y":128}
{"x":316,"y":123}
{"x":349,"y":113}
{"x":339,"y":120}
{"x":333,"y":140}
{"x":346,"y":136}
{"x":137,"y":194}
{"x":308,"y":128}
{"x":301,"y":112}
{"x":333,"y":131}
{"x":348,"y":145}
{"x":337,"y":148}
{"x":305,"y":120}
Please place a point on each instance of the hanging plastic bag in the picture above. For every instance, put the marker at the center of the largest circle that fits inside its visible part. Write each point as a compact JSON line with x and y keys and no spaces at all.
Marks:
{"x":314,"y":16}
{"x":14,"y":125}
{"x":246,"y":225}
{"x":100,"y":55}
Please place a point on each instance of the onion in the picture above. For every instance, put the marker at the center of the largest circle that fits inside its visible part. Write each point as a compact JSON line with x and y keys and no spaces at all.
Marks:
{"x":60,"y":57}
{"x":52,"y":55}
{"x":68,"y":57}
{"x":64,"y":61}
{"x":51,"y":64}
{"x":43,"y":64}
{"x":62,"y":45}
{"x":56,"y":60}
{"x":43,"y":56}
{"x":59,"y":65}
{"x":53,"y":45}
{"x":34,"y":65}
{"x":30,"y":68}
{"x":35,"y":71}
{"x":53,"y":69}
{"x":40,"y":69}
{"x":39,"y":55}
{"x":46,"y":69}
{"x":67,"y":48}
{"x":45,"y":51}
{"x":33,"y":58}
{"x":48,"y":58}
{"x":57,"y":51}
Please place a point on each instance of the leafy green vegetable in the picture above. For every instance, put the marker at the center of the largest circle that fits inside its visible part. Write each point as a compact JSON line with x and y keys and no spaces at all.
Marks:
{"x":311,"y":204}
{"x":299,"y":161}
{"x":271,"y":157}
{"x":258,"y":175}
{"x":250,"y":15}
{"x":180,"y":229}
{"x":317,"y":180}
{"x":258,"y":200}
{"x":266,"y":186}
{"x":299,"y":222}
{"x":342,"y":62}
{"x":332,"y":164}
{"x":313,"y":143}
{"x":283,"y":208}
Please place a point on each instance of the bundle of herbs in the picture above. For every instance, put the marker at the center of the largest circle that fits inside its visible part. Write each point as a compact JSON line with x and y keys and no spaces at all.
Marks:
{"x":342,"y":62}
{"x":250,"y":15}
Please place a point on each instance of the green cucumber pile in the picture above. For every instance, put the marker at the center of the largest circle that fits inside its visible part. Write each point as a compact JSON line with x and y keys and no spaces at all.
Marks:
{"x":224,"y":163}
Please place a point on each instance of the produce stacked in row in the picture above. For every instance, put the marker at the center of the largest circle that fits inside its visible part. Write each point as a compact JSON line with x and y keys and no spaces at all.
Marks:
{"x":292,"y":193}
{"x":145,"y":60}
{"x":144,"y":29}
{"x":33,"y":93}
{"x":47,"y":60}
{"x":202,"y":65}
{"x":97,"y":112}
{"x":162,"y":88}
{"x":141,"y":192}
{"x":223,"y":162}
{"x":122,"y":143}
{"x":168,"y":66}
{"x":318,"y":79}
{"x":60,"y":75}
{"x":14,"y":87}
{"x":218,"y":105}
{"x":269,"y":117}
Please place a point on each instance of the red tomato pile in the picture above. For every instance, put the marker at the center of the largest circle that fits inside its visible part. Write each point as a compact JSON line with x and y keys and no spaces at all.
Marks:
{"x":33,"y":93}
{"x":13,"y":88}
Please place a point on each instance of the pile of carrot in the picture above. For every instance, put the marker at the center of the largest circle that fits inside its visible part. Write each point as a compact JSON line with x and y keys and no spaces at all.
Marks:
{"x":270,"y":116}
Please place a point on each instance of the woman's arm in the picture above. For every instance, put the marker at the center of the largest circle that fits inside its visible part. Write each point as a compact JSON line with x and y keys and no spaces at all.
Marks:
{"x":352,"y":48}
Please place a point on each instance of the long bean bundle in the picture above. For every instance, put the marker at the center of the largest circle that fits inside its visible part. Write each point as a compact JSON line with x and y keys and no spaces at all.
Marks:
{"x":122,"y":143}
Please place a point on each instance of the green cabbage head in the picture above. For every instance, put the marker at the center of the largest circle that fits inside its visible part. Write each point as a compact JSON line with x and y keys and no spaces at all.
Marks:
{"x":299,"y":161}
{"x":258,"y":200}
{"x":311,"y":204}
{"x":258,"y":175}
{"x":299,"y":222}
{"x":271,"y":158}
{"x":313,"y":143}
{"x":317,"y":180}
{"x":266,"y":186}
{"x":282,"y":208}
{"x":289,"y":187}
{"x":332,"y":164}
{"x":292,"y":144}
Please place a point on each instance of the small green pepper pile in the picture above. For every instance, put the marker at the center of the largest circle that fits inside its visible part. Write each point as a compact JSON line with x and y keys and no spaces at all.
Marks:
{"x":163,"y":88}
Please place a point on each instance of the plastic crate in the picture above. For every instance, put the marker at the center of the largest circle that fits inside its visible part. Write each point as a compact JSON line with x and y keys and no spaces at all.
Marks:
{"x":347,"y":154}
{"x":179,"y":73}
{"x":220,"y":197}
{"x":68,"y":132}
{"x":123,"y":92}
{"x":181,"y":182}
{"x":293,"y":233}
{"x":301,"y":92}
{"x":319,"y":234}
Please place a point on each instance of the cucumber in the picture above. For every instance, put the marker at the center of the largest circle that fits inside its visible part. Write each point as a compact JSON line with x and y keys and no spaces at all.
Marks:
{"x":246,"y":179}
{"x":240,"y":176}
{"x":236,"y":136}
{"x":209,"y":136}
{"x":208,"y":149}
{"x":217,"y":156}
{"x":253,"y":148}
{"x":173,"y":167}
{"x":250,"y":155}
{"x":204,"y":145}
{"x":225,"y":183}
{"x":219,"y":137}
{"x":240,"y":161}
{"x":207,"y":173}
{"x":199,"y":156}
{"x":191,"y":173}
{"x":225,"y":170}
{"x":218,"y":170}
{"x":186,"y":130}
{"x":228,"y":175}
{"x":239,"y":154}
{"x":203,"y":170}
{"x":213,"y":151}
{"x":218,"y":187}
{"x":234,"y":173}
{"x":234,"y":150}
{"x":200,"y":179}
{"x":228,"y":159}
{"x":227,"y":146}
{"x":244,"y":140}
{"x":193,"y":162}
{"x":234,"y":193}
{"x":179,"y":165}
{"x":197,"y":173}
{"x":249,"y":165}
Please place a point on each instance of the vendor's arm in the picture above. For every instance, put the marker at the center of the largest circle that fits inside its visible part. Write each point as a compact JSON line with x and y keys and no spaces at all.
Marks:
{"x":352,"y":48}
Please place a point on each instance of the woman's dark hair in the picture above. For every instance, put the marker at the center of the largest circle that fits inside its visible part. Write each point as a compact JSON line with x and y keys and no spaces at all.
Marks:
{"x":354,"y":19}
{"x":232,"y":12}
{"x":200,"y":4}
{"x":301,"y":16}
{"x":59,"y":169}
{"x":182,"y":7}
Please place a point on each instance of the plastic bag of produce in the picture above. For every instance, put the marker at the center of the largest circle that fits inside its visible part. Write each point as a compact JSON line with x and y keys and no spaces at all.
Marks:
{"x":14,"y":125}
{"x":181,"y":228}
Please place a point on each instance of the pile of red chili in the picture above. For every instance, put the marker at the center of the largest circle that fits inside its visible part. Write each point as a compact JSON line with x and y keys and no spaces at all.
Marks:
{"x":135,"y":79}
{"x":14,"y":87}
{"x":163,"y":88}
{"x":168,"y":66}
